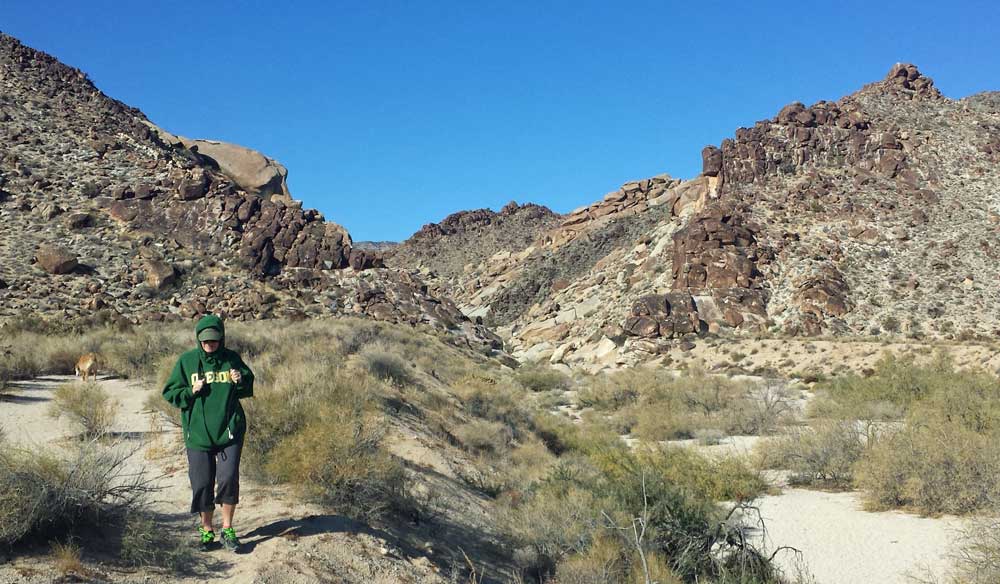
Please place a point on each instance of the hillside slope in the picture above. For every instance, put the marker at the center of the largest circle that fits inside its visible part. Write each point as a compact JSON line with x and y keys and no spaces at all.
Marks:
{"x":105,"y":213}
{"x":874,"y":214}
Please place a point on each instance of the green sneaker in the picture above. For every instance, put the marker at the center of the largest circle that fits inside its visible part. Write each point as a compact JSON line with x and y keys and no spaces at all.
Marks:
{"x":229,"y":539}
{"x":207,"y":537}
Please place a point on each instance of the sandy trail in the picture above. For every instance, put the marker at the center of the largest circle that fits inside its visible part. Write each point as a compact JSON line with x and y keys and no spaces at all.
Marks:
{"x":285,"y":540}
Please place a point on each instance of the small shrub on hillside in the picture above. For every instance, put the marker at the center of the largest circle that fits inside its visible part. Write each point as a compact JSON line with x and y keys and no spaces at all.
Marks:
{"x":19,"y":363}
{"x":496,"y":401}
{"x":343,"y":465}
{"x":540,"y":378}
{"x":139,"y":355}
{"x":386,"y":365}
{"x":484,"y":436}
{"x":824,"y":455}
{"x":87,"y":405}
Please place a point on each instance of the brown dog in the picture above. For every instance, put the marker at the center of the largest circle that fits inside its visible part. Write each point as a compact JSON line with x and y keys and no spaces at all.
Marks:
{"x":87,"y":366}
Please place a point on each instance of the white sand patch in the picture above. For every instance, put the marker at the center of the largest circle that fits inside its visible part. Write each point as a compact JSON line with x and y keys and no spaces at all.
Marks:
{"x":841,"y":543}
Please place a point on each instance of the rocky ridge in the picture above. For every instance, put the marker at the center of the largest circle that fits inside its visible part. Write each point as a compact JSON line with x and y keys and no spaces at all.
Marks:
{"x":874,"y":214}
{"x":103,"y":212}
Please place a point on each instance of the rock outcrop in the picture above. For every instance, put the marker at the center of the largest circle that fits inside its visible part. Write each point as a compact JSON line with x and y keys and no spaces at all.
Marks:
{"x":103,"y":211}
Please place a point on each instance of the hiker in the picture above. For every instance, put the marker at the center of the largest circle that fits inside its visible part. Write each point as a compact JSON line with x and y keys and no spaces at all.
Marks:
{"x":206,"y":384}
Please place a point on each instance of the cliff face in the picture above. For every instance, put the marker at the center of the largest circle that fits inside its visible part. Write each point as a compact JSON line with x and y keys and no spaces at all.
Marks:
{"x":875,"y":213}
{"x":103,"y":211}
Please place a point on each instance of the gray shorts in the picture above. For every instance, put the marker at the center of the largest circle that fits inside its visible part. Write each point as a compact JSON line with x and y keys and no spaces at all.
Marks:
{"x":214,"y":473}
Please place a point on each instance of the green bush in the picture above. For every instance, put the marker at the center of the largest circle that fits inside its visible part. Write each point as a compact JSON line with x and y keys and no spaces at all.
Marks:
{"x":87,"y":406}
{"x":823,"y":455}
{"x":343,"y":465}
{"x":539,"y":378}
{"x":897,"y":383}
{"x":934,"y":467}
{"x":581,"y":516}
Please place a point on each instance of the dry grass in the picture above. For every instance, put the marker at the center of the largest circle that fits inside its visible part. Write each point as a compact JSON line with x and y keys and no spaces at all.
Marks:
{"x":87,"y":405}
{"x":68,"y":559}
{"x":44,"y":496}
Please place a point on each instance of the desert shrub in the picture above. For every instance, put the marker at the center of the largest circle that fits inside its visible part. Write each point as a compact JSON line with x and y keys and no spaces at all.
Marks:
{"x":976,"y":555}
{"x":822,"y":455}
{"x":562,"y":436}
{"x":355,"y":337}
{"x":19,"y":363}
{"x":934,"y":466}
{"x":724,"y":479}
{"x":318,"y":427}
{"x":146,"y":543}
{"x":484,"y":436}
{"x":603,"y":562}
{"x":657,"y":406}
{"x":43,"y":496}
{"x":492,"y":399}
{"x":386,"y":365}
{"x":163,"y":409}
{"x":87,"y":406}
{"x":140,"y":353}
{"x":578,"y":521}
{"x":68,"y":560}
{"x":887,"y":394}
{"x":762,"y":409}
{"x":615,"y":391}
{"x":540,"y":378}
{"x":343,"y":465}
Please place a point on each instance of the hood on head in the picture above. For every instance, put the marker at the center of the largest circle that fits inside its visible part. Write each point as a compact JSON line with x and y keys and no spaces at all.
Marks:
{"x":210,"y":321}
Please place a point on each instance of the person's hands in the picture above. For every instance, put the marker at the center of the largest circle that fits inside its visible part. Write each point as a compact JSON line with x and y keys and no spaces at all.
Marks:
{"x":235,"y":375}
{"x":198,"y":384}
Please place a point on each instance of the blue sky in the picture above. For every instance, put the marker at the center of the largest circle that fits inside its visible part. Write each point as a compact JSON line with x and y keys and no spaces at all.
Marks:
{"x":390,"y":115}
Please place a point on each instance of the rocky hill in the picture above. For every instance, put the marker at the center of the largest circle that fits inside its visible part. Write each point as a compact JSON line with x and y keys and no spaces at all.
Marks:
{"x":450,"y":255}
{"x":875,"y":214}
{"x":104,"y":212}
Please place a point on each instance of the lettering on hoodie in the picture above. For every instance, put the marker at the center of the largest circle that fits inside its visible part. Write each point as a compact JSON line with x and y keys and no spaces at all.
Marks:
{"x":213,"y":377}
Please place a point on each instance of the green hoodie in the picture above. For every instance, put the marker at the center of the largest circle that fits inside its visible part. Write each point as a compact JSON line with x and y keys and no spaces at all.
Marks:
{"x":213,"y":417}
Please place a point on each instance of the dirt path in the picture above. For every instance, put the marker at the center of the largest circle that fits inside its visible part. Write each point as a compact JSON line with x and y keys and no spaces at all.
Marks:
{"x":285,"y":540}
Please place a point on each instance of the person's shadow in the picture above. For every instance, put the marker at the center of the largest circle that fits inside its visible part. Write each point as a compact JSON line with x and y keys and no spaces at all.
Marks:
{"x":296,"y":528}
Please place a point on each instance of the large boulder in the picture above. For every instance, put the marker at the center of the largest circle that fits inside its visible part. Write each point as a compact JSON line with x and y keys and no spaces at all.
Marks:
{"x":55,"y":259}
{"x":159,"y":274}
{"x":252,"y":171}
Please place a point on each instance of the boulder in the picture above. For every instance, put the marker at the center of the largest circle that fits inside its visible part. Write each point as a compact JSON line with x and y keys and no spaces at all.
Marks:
{"x":159,"y":274}
{"x":252,"y":171}
{"x":55,"y":259}
{"x":711,"y":161}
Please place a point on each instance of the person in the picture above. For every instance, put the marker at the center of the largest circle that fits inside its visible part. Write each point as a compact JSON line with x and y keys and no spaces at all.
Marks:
{"x":207,"y":384}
